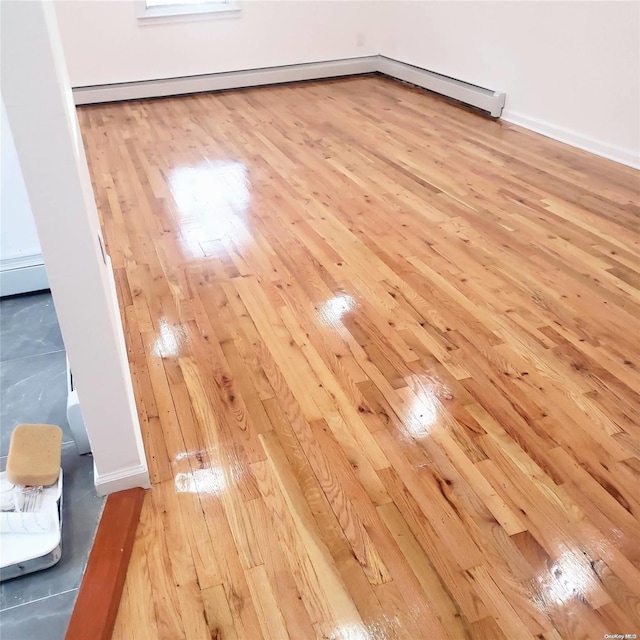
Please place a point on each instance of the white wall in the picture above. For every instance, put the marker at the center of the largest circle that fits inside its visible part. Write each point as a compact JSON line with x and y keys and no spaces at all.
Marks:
{"x":18,"y":235}
{"x":105,"y":43}
{"x":570,"y":70}
{"x":21,"y":262}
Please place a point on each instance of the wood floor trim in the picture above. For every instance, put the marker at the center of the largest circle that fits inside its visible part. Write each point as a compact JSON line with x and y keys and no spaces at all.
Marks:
{"x":96,"y":608}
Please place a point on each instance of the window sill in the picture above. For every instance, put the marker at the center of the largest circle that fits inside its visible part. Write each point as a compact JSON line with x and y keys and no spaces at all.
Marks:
{"x":187,"y":12}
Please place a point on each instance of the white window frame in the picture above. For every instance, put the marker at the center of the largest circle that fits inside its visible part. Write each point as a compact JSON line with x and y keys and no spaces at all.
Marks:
{"x":182,"y":12}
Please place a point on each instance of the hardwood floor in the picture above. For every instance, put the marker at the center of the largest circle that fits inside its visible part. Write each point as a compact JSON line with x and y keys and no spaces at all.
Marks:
{"x":386,"y":355}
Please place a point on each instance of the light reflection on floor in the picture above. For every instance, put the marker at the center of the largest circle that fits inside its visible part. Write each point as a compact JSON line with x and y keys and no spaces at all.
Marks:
{"x":382,"y":630}
{"x":169,"y":340}
{"x":332,"y":311}
{"x":211,"y":200}
{"x":203,"y":481}
{"x":570,"y":577}
{"x":422,"y":415}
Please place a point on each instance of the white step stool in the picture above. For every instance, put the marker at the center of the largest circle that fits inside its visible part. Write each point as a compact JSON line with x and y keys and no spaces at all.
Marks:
{"x":24,"y":553}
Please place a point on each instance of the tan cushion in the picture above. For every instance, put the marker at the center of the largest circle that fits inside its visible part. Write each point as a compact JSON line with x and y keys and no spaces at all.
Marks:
{"x":35,"y":453}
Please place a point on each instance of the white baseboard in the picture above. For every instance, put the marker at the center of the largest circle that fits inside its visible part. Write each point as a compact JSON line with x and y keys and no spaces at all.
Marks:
{"x":122,"y":480}
{"x":224,"y":80}
{"x":575,"y":139}
{"x":491,"y":101}
{"x":22,"y":275}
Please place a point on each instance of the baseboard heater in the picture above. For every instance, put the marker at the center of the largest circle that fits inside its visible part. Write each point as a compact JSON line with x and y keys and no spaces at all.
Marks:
{"x":223,"y":80}
{"x":22,"y":274}
{"x":479,"y":97}
{"x":486,"y":99}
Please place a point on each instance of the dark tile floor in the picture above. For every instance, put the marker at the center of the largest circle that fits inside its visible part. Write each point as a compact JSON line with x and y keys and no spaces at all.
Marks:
{"x":33,"y":389}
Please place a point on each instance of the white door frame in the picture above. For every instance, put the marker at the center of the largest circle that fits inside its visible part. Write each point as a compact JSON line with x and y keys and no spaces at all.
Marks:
{"x":39,"y":105}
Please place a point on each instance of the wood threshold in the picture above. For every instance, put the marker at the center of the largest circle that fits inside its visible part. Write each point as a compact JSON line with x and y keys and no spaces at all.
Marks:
{"x":98,"y":600}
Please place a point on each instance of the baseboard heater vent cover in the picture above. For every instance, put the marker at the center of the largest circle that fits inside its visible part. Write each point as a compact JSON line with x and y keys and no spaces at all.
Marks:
{"x":490,"y":101}
{"x":479,"y":97}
